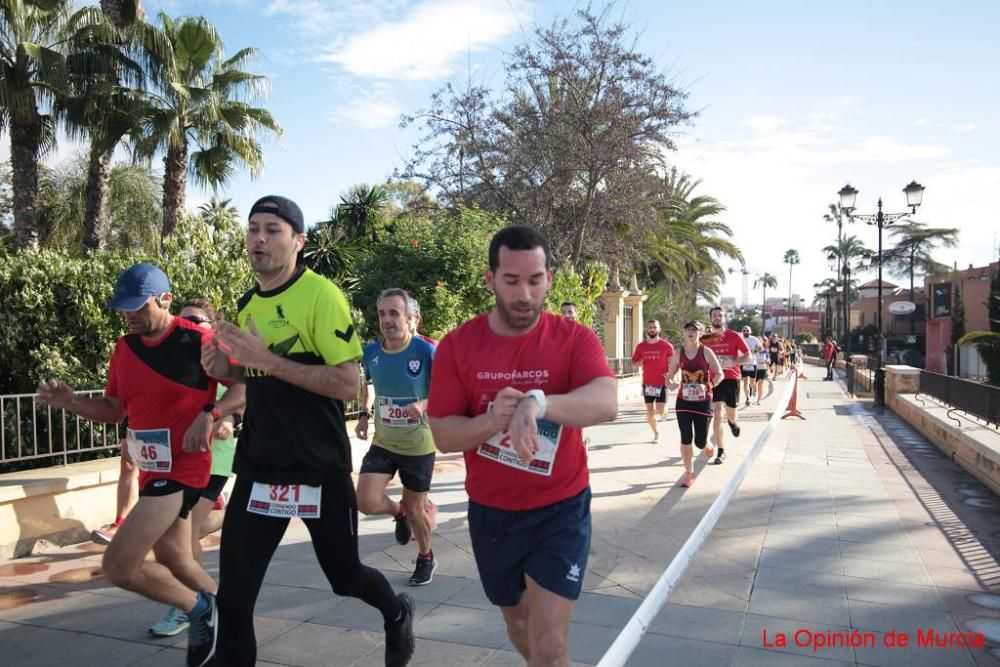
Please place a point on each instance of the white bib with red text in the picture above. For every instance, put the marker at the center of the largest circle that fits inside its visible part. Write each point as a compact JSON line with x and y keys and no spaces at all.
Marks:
{"x":285,"y":500}
{"x":150,"y":449}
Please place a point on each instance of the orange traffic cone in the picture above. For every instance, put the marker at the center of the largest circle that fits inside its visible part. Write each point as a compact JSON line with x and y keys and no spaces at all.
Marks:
{"x":793,"y":410}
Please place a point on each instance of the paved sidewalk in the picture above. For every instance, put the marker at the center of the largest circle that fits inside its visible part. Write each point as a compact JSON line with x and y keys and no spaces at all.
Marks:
{"x":849,"y":520}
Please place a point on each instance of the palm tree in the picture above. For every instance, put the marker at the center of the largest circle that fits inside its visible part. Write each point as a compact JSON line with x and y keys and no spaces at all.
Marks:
{"x":200,"y":100}
{"x":836,"y":214}
{"x":123,"y":14}
{"x":37,"y":44}
{"x":791,"y":259}
{"x":361,"y":212}
{"x":826,"y":292}
{"x":912,"y":251}
{"x":106,"y":106}
{"x":218,"y":213}
{"x":764,"y":281}
{"x":689,"y":246}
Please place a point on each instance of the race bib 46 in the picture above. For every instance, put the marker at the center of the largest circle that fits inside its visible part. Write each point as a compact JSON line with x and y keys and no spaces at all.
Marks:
{"x":150,"y":449}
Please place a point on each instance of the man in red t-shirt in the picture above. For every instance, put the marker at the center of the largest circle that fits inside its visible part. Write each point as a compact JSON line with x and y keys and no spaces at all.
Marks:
{"x":155,"y":378}
{"x":653,"y":355}
{"x":512,"y":390}
{"x":830,"y":357}
{"x":732,"y":351}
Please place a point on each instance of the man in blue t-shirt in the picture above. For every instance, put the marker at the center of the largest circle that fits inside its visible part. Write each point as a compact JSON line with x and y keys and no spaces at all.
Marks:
{"x":399,"y":368}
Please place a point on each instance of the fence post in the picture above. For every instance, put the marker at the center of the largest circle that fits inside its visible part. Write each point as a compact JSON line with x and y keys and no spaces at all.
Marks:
{"x":849,"y":367}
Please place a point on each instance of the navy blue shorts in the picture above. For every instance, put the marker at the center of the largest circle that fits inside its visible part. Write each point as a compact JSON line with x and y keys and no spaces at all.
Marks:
{"x":550,"y":544}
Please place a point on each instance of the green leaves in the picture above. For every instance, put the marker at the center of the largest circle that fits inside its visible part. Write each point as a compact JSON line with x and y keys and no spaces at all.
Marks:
{"x":54,"y":321}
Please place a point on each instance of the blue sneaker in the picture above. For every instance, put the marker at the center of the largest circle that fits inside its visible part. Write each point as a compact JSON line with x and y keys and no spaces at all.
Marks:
{"x":173,"y":623}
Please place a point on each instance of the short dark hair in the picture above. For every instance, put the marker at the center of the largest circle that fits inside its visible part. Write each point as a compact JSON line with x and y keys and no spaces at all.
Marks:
{"x":715,"y":308}
{"x":202,"y":304}
{"x":518,"y":237}
{"x":567,"y":303}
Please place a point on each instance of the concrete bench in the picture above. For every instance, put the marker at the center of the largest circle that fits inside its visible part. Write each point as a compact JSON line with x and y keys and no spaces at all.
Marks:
{"x":59,"y":504}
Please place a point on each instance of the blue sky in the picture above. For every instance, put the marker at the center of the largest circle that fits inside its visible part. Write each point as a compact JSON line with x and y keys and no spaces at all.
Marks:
{"x":796,"y":98}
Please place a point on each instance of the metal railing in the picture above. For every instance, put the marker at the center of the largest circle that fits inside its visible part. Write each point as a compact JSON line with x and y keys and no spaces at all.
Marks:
{"x":30,"y":431}
{"x":34,"y":432}
{"x":981,"y":401}
{"x":622,"y":367}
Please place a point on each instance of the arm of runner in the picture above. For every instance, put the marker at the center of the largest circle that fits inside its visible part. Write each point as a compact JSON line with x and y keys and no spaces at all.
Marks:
{"x":58,"y":394}
{"x":198,"y":436}
{"x":361,"y":428}
{"x":593,"y":403}
{"x":248,"y":348}
{"x":216,"y":362}
{"x":718,"y":375}
{"x":675,"y":362}
{"x":233,"y":401}
{"x":416,"y":409}
{"x":457,"y":433}
{"x":747,"y":356}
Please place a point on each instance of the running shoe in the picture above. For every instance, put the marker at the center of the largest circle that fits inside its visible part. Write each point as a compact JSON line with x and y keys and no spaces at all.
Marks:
{"x":104,"y":534}
{"x":720,"y":458}
{"x":688,"y":480}
{"x":709,"y":452}
{"x":399,"y":642}
{"x":432,"y":514}
{"x":403,"y":532}
{"x":173,"y":623}
{"x":655,"y":438}
{"x":423,"y":574}
{"x":202,"y":635}
{"x":735,"y":428}
{"x":747,"y":404}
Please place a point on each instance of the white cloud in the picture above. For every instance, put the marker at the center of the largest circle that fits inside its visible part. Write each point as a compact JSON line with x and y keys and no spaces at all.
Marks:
{"x":369,"y":112}
{"x":778,"y":175}
{"x":425,"y":43}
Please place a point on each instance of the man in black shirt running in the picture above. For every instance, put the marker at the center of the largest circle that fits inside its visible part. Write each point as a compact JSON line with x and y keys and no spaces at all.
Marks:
{"x":297,"y":351}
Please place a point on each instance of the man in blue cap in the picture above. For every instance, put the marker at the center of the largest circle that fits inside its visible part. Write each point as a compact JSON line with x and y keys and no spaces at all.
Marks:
{"x":155,"y":379}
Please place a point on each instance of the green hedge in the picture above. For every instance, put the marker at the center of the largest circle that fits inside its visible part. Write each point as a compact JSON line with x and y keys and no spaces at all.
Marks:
{"x":54,"y":323}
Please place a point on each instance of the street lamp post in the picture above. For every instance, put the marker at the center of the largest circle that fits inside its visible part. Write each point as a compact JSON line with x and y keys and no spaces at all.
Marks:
{"x":848,"y":196}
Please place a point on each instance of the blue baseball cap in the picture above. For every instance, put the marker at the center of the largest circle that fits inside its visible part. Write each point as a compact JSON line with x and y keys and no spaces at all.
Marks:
{"x":136,"y":284}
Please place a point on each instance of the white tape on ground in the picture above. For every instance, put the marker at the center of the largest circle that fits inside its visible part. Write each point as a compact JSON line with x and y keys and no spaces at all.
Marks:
{"x":619,"y":651}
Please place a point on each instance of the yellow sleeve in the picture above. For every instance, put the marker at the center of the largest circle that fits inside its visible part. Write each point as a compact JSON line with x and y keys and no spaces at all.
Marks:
{"x":334,"y":334}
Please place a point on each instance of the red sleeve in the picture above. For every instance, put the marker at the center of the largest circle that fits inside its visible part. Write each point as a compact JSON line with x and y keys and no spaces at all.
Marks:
{"x":635,"y":353}
{"x":741,"y":345}
{"x":447,"y":396}
{"x":111,"y":389}
{"x":670,"y":350}
{"x":588,"y":360}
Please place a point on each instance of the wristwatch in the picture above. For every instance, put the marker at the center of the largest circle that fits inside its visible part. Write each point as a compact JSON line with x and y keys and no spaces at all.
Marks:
{"x":212,"y":410}
{"x":539,"y":397}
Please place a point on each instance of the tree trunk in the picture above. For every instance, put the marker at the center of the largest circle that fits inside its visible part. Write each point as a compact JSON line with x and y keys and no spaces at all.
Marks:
{"x":96,"y":220}
{"x":25,"y":139}
{"x":174,"y":180}
{"x":123,"y":13}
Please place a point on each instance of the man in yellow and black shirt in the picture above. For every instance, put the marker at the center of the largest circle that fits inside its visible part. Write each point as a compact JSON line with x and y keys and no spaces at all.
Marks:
{"x":297,"y":350}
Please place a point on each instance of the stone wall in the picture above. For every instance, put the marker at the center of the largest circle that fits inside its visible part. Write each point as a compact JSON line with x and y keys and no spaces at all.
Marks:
{"x":974,"y":447}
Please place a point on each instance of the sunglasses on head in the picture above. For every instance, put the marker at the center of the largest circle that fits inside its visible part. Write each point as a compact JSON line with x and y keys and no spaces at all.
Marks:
{"x":196,"y":320}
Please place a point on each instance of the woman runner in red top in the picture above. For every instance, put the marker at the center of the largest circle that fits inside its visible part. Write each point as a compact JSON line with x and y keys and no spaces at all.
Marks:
{"x":700,"y":373}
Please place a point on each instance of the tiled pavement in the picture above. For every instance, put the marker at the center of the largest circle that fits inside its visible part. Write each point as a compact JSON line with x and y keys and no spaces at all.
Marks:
{"x":849,"y":520}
